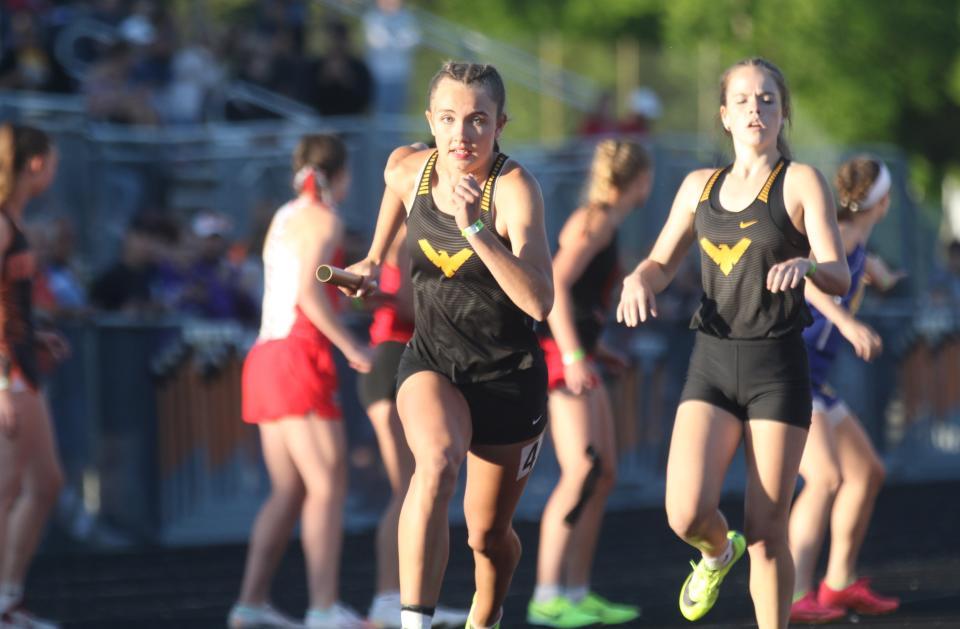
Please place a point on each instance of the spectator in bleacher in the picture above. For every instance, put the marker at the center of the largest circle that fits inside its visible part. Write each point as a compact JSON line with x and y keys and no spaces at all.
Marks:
{"x":338,"y":83}
{"x":58,"y":290}
{"x":110,"y":12}
{"x":392,"y":34}
{"x":601,"y":119}
{"x":284,"y":15}
{"x":268,"y":60}
{"x":30,"y":471}
{"x":111,"y":92}
{"x":27,"y":62}
{"x":643,"y":109}
{"x":141,"y":281}
{"x":151,"y":31}
{"x":212,"y":288}
{"x":196,"y":76}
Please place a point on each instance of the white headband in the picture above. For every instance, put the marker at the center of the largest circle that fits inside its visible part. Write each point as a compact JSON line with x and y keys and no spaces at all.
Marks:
{"x":880,"y":187}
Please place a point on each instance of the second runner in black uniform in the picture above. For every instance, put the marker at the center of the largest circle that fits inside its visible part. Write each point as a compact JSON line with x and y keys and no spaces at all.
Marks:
{"x":756,"y":224}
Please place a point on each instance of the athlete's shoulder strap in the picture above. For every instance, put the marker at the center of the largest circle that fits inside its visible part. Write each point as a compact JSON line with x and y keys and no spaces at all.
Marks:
{"x":421,"y":186}
{"x":710,"y":183}
{"x":765,"y":191}
{"x":777,"y":209}
{"x":423,"y":181}
{"x":490,"y":185}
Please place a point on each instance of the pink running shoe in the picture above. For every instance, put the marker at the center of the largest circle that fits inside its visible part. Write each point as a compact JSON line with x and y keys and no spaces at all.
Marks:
{"x":858,"y":597}
{"x":809,"y":610}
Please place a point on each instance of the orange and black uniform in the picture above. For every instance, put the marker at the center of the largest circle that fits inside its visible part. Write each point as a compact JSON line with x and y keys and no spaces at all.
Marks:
{"x":18,"y":345}
{"x":466,"y":328}
{"x":749,"y":357}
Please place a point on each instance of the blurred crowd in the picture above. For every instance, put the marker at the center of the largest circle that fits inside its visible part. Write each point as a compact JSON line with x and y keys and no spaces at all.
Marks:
{"x":198,"y":268}
{"x":139,"y":62}
{"x":195,"y":270}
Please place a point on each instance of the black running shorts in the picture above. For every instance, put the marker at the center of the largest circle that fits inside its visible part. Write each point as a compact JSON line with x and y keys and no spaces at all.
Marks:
{"x":752,"y":379}
{"x":508,"y":409}
{"x":381,"y":381}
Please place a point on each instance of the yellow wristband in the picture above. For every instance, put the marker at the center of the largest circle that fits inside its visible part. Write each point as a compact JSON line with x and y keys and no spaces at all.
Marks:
{"x":574,"y":357}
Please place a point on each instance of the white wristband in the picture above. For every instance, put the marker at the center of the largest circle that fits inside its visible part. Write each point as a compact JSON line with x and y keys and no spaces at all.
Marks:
{"x":470,"y":230}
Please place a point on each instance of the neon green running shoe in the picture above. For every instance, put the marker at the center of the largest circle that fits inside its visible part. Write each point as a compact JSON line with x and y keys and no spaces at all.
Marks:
{"x":608,"y":612}
{"x":469,"y":625}
{"x":560,"y":612}
{"x":700,"y":590}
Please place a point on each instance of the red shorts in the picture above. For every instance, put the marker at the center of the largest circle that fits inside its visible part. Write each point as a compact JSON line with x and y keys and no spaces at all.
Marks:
{"x":554,"y":359}
{"x":293,"y":376}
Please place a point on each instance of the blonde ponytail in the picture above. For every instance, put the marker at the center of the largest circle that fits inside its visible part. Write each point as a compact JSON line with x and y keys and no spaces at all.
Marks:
{"x":615,"y":164}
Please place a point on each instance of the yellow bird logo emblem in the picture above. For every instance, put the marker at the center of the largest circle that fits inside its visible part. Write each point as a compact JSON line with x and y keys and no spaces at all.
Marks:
{"x":444,"y":261}
{"x":725,"y":257}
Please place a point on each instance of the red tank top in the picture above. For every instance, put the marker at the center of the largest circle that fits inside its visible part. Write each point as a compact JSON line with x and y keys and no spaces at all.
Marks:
{"x":303,"y":328}
{"x":387,"y":324}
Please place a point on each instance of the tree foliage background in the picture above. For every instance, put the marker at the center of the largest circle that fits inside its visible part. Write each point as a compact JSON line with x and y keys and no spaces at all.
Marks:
{"x":860,"y":70}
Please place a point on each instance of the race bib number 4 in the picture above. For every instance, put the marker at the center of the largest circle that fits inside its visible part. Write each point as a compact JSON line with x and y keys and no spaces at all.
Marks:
{"x":528,"y":457}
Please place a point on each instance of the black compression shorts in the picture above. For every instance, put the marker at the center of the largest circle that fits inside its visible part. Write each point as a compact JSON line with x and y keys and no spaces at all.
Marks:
{"x":381,"y":382}
{"x":752,"y":379}
{"x":508,"y":409}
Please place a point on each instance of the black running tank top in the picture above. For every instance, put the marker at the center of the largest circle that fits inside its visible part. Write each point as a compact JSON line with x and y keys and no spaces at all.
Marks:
{"x":465,"y":325}
{"x":591,"y":294}
{"x":737,"y":249}
{"x":16,"y":304}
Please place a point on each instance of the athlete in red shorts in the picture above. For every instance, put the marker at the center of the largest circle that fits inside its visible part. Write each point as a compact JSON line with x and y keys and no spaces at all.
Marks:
{"x":290,"y":392}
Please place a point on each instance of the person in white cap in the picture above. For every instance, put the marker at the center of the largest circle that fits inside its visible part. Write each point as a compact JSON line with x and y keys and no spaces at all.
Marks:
{"x":644,"y":109}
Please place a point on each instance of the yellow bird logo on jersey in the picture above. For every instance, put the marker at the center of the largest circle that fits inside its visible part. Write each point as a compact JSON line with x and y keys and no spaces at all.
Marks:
{"x":725,"y":257}
{"x":444,"y":261}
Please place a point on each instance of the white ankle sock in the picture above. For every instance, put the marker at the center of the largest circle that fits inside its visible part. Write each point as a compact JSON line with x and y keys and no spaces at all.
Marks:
{"x":546,"y":593}
{"x":411,"y":619}
{"x":578,"y":593}
{"x":715,"y":563}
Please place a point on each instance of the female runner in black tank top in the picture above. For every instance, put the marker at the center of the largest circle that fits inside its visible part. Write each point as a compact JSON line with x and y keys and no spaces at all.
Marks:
{"x":472,"y":381}
{"x":377,"y":391}
{"x":30,"y":473}
{"x":746,"y":381}
{"x":586,"y":268}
